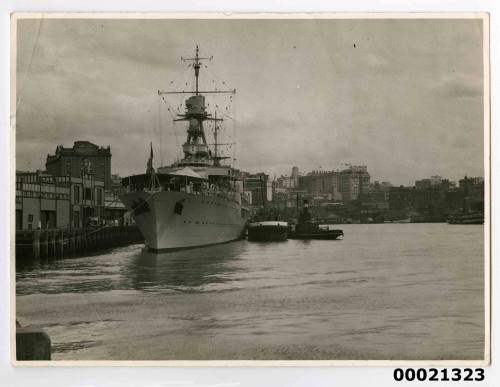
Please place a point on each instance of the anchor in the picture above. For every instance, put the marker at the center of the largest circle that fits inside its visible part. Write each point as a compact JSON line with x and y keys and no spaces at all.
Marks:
{"x":179,"y":207}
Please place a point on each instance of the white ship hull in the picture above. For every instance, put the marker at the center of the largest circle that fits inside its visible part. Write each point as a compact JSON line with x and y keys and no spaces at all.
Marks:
{"x":172,"y":220}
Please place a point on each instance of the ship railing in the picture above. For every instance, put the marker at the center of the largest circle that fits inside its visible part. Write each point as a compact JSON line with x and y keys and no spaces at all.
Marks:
{"x":195,"y":189}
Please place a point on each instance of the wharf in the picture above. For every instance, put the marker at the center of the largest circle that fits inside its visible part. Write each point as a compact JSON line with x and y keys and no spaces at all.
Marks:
{"x":59,"y":243}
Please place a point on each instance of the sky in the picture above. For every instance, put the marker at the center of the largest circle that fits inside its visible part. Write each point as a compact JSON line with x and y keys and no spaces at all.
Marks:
{"x":404,"y":97}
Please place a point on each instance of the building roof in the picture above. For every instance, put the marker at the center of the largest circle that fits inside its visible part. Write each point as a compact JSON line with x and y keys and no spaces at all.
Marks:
{"x":79,"y":148}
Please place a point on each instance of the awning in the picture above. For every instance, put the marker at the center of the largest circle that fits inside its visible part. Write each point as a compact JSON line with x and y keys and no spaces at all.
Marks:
{"x":186,"y":171}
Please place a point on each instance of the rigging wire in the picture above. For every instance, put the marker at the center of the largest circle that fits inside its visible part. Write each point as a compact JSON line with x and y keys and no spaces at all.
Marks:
{"x":160,"y":130}
{"x":186,"y":82}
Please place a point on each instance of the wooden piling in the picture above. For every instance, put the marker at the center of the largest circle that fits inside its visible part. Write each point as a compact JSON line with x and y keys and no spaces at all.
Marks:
{"x":61,"y":244}
{"x":53,"y":244}
{"x":44,"y":244}
{"x":78,"y":244}
{"x":36,"y":244}
{"x":83,"y":236}
{"x":73,"y":242}
{"x":98,"y":235}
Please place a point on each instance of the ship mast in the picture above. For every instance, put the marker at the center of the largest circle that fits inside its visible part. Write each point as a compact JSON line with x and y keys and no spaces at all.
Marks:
{"x":216,"y":144}
{"x":196,"y":65}
{"x":196,"y":148}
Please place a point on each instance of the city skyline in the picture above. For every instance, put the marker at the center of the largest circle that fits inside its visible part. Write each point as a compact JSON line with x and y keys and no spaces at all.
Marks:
{"x":301,"y":172}
{"x":403,"y":97}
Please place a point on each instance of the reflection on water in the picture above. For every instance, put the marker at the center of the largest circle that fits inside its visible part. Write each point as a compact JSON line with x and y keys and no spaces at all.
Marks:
{"x":185,"y":271}
{"x":412,"y":291}
{"x":132,"y":267}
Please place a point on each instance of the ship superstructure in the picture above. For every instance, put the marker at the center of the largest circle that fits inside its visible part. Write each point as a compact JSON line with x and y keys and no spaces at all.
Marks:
{"x":196,"y":201}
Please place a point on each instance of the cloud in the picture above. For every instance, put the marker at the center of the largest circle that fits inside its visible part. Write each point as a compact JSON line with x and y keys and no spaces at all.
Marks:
{"x":377,"y":62}
{"x":401,"y":101}
{"x":459,"y":86}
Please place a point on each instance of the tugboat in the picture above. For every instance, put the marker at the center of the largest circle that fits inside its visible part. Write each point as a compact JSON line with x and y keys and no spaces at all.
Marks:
{"x":268,"y":230}
{"x":306,"y":228}
{"x":265,"y":230}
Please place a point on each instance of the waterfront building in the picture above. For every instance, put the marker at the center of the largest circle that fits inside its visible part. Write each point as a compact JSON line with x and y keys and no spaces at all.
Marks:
{"x":47,"y":201}
{"x":115,"y":212}
{"x":289,"y":182}
{"x":343,"y":185}
{"x":377,"y":196}
{"x":402,"y":198}
{"x":432,"y":201}
{"x":295,"y":176}
{"x":305,"y":182}
{"x":473,"y":193}
{"x":83,"y":156}
{"x":280,"y":197}
{"x":322,"y":183}
{"x":471,"y":181}
{"x":434,"y":182}
{"x":380,"y":190}
{"x":258,"y":187}
{"x":354,"y":181}
{"x":286,"y":182}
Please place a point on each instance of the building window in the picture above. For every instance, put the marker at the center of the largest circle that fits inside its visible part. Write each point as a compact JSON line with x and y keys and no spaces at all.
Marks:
{"x":76,"y":194}
{"x":88,"y":194}
{"x":99,"y":197}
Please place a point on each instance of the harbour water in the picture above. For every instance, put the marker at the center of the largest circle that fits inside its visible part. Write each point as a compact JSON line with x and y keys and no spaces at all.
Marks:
{"x":387,"y":291}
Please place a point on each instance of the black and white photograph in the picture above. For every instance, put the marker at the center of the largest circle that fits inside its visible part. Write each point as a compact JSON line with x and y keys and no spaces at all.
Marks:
{"x":227,"y":188}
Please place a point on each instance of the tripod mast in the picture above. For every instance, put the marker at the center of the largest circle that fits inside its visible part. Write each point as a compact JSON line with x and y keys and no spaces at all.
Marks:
{"x":195,"y":148}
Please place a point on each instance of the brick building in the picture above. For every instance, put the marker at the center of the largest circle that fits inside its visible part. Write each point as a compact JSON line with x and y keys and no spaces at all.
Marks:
{"x":83,"y":157}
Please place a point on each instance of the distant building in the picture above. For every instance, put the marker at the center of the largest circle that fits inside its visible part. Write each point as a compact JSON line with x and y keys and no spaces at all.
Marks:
{"x":258,"y":186}
{"x":115,"y":212}
{"x":345,"y":185}
{"x":402,"y":198}
{"x":470,"y":181}
{"x":354,"y":181}
{"x":286,"y":182}
{"x":281,"y":197}
{"x":83,"y":157}
{"x":433,"y":182}
{"x":378,"y":195}
{"x":295,"y":176}
{"x":436,"y":198}
{"x":46,"y":201}
{"x":473,"y":192}
{"x":289,"y":182}
{"x":431,"y":201}
{"x":322,"y":183}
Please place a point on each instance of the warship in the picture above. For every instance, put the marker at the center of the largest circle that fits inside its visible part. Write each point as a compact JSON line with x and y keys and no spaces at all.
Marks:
{"x":196,"y":201}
